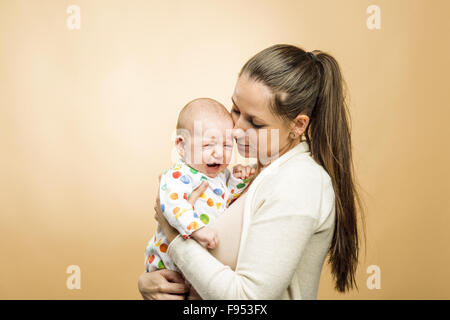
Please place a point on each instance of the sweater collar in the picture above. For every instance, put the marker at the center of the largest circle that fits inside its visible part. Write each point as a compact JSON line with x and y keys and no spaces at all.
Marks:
{"x":300,"y":148}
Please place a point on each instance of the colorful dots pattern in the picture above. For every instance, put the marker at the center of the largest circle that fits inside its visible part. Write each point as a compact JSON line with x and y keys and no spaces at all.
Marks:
{"x":218,"y":191}
{"x":204,"y":218}
{"x":185,"y":179}
{"x":193,"y":226}
{"x":247,"y":180}
{"x":163,"y":247}
{"x":176,"y":174}
{"x":173,"y":196}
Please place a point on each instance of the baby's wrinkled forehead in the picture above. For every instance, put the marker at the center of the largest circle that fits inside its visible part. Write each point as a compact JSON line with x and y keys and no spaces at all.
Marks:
{"x":205,"y":118}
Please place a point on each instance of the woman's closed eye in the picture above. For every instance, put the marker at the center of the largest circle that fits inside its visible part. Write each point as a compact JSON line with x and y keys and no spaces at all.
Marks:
{"x":249,"y":120}
{"x":257,"y":126}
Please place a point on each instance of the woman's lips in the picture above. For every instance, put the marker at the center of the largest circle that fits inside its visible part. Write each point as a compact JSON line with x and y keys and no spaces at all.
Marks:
{"x":242,"y":145}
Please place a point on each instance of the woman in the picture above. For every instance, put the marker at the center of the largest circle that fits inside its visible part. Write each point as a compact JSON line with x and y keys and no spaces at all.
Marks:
{"x":299,"y":208}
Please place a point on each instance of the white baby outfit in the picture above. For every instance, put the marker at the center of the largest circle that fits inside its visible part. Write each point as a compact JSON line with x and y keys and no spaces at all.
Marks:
{"x":176,"y":186}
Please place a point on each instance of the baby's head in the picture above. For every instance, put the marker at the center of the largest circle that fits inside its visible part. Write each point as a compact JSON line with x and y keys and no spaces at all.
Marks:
{"x":204,"y":136}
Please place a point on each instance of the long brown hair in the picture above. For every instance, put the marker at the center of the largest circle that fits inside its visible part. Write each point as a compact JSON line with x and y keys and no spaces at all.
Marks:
{"x":313,"y":85}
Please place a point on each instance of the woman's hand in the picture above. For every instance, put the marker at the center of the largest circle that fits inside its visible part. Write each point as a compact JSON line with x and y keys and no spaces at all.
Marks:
{"x":168,"y":230}
{"x":162,"y":285}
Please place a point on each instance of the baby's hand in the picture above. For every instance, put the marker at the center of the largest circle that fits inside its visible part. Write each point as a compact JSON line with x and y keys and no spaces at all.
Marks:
{"x":243,"y":172}
{"x":207,"y":237}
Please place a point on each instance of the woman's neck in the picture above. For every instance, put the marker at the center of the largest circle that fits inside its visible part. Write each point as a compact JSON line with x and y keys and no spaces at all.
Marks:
{"x":283,"y":150}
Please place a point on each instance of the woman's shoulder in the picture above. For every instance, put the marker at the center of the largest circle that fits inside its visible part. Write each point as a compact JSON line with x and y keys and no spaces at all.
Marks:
{"x":298,"y":186}
{"x":299,"y":171}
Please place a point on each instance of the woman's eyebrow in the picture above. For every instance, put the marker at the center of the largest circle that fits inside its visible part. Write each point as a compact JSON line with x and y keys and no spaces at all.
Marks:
{"x":249,"y":115}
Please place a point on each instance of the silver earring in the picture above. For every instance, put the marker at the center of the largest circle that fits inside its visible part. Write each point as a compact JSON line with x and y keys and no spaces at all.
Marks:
{"x":292,"y":135}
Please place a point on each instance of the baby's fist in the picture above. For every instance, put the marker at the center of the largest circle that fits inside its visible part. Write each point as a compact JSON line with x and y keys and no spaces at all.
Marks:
{"x":207,"y":237}
{"x":243,"y":172}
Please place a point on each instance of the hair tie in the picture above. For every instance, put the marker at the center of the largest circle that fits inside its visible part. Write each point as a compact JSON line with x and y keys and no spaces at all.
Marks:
{"x":312,"y":56}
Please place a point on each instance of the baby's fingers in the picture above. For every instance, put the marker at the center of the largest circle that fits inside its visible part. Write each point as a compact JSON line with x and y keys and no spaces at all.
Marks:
{"x":213,"y":243}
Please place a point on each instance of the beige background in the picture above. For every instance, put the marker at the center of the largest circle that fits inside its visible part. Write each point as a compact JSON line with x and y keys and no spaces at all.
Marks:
{"x":86,"y":118}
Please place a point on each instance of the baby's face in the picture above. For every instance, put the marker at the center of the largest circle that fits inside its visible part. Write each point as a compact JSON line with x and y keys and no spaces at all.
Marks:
{"x":210,"y":146}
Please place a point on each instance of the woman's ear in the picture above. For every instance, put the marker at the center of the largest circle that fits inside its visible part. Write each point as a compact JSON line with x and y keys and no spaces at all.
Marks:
{"x":299,"y":125}
{"x":180,"y":144}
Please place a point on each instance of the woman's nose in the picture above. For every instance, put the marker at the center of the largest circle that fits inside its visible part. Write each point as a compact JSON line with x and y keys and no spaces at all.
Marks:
{"x":238,"y":133}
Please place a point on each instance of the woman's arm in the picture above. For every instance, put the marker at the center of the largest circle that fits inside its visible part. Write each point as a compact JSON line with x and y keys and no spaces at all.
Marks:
{"x":271,"y":254}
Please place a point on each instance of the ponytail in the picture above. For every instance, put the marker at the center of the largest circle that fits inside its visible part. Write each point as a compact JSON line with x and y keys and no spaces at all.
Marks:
{"x":330,"y":141}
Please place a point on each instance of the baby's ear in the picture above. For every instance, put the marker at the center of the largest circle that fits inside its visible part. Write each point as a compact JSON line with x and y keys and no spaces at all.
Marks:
{"x":180,"y":144}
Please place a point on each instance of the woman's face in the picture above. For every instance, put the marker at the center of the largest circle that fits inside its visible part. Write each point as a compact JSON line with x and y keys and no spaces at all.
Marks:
{"x":259,"y":133}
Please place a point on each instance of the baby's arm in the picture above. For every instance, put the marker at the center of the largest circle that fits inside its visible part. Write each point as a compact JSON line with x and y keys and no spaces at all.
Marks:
{"x":174,"y":195}
{"x":207,"y":237}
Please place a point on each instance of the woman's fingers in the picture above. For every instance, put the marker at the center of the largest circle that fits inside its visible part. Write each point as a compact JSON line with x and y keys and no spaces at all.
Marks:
{"x":172,"y":276}
{"x":174,"y":288}
{"x":156,"y":286}
{"x":197,"y":192}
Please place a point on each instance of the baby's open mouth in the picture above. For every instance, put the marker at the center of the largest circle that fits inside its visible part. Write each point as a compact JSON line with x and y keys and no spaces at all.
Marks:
{"x":213,"y":165}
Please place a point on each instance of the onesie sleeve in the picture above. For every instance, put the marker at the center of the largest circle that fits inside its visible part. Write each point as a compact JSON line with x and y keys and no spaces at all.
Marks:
{"x":235,"y":185}
{"x":277,"y":236}
{"x":175,"y":189}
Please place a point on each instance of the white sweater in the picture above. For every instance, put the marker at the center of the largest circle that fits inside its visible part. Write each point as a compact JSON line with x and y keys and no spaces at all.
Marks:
{"x":287,"y":227}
